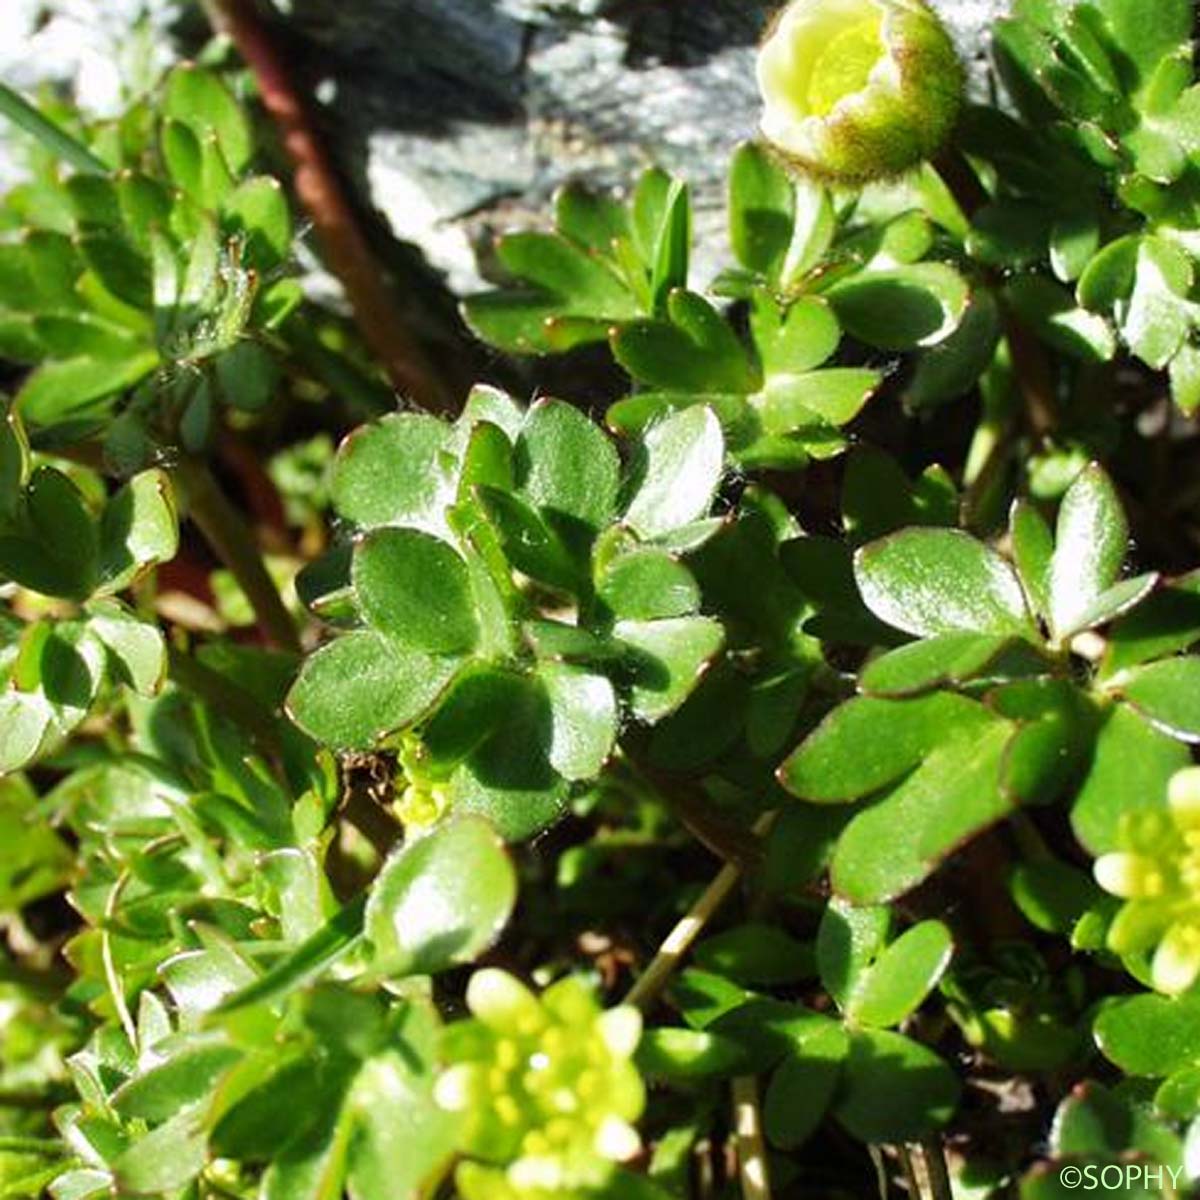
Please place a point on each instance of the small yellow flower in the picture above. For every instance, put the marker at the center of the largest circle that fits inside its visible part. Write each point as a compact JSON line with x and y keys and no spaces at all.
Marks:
{"x":1157,"y":874}
{"x":423,"y":800}
{"x":855,"y":90}
{"x":546,"y":1086}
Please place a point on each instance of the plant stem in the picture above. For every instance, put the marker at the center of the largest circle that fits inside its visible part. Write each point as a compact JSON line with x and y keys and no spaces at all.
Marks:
{"x":910,"y":1172}
{"x":225,"y":530}
{"x":20,"y":112}
{"x":751,"y":1149}
{"x":935,"y":1168}
{"x":677,"y":943}
{"x":116,"y":985}
{"x":321,"y":192}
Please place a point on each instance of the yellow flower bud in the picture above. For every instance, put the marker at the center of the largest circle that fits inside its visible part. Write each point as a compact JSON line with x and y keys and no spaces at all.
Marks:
{"x":855,"y":90}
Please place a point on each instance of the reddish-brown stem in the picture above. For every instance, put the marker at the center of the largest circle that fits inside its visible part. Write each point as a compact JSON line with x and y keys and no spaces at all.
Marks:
{"x":322,"y":193}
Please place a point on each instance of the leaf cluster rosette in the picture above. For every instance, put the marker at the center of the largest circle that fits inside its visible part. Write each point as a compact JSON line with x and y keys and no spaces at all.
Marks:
{"x":987,"y":709}
{"x":148,"y":289}
{"x":811,"y":268}
{"x":513,"y":596}
{"x":1097,"y":180}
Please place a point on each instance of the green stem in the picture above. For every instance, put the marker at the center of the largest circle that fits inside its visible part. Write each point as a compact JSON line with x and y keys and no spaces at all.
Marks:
{"x":225,"y":530}
{"x":20,"y":112}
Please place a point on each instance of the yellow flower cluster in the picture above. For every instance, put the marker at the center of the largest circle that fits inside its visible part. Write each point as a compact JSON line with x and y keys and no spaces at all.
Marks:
{"x":546,"y":1086}
{"x":1157,"y":873}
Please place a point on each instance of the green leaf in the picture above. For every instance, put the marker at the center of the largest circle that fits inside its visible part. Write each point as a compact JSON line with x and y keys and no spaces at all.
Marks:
{"x":893,"y":1089}
{"x":258,"y":210}
{"x":362,"y":686}
{"x":849,"y":939}
{"x":136,"y":647}
{"x":803,"y":1085}
{"x":952,"y":658}
{"x":403,"y":1139}
{"x":898,"y":309}
{"x":695,"y":352}
{"x":508,"y":777}
{"x":93,"y":199}
{"x":54,"y":549}
{"x":1090,"y":546}
{"x":646,"y":584}
{"x":415,"y":588}
{"x":81,"y":335}
{"x":588,"y":218}
{"x":931,"y":581}
{"x":566,"y":465}
{"x":834,"y":395}
{"x":1073,"y":242}
{"x":901,"y":978}
{"x":794,"y":339}
{"x":1167,"y":694}
{"x":120,"y":268}
{"x":662,"y":228}
{"x":1108,"y":278}
{"x":400,"y":470}
{"x":248,"y":376}
{"x":756,"y":953}
{"x":58,"y":390}
{"x":139,"y":529}
{"x":701,"y":997}
{"x":1158,"y":315}
{"x":686,"y":1054}
{"x":677,"y":469}
{"x":954,"y":366}
{"x":184,"y":1078}
{"x":762,"y":206}
{"x":867,"y":743}
{"x":167,"y":1158}
{"x":1185,"y":378}
{"x":1050,"y":311}
{"x":1052,"y":895}
{"x":531,"y":544}
{"x":317,"y":952}
{"x":440,"y":900}
{"x":901,"y":839}
{"x":667,"y":659}
{"x":1033,"y":553}
{"x":1009,"y":234}
{"x":1167,"y":622}
{"x":199,"y":100}
{"x":1149,"y":1034}
{"x":1144,"y":44}
{"x":583,"y":716}
{"x":37,"y":862}
{"x":1129,"y":770}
